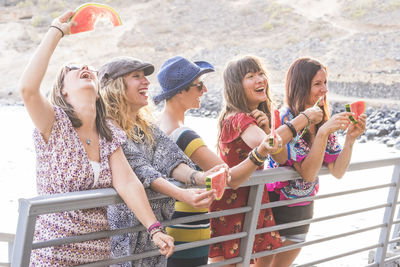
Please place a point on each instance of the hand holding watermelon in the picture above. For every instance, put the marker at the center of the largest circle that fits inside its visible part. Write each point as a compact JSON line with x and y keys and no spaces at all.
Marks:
{"x":315,"y":114}
{"x":339,"y":121}
{"x":357,"y":129}
{"x":63,"y":22}
{"x":199,"y":197}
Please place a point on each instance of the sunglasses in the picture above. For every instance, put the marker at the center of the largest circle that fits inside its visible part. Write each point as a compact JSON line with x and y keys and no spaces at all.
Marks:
{"x":79,"y":67}
{"x":198,"y":85}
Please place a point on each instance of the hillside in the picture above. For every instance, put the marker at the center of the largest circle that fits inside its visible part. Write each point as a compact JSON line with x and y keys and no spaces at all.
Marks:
{"x":359,"y":41}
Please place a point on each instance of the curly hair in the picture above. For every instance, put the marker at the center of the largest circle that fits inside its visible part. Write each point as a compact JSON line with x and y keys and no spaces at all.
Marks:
{"x":139,"y":130}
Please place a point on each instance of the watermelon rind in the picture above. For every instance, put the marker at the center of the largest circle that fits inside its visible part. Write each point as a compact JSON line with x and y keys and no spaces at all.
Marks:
{"x":115,"y":20}
{"x":348,"y":109}
{"x":209,"y":183}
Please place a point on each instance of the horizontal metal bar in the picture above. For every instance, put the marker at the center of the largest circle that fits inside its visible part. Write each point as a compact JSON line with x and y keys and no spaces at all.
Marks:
{"x":108,"y":233}
{"x":318,"y":219}
{"x":315,"y":241}
{"x":156,"y":252}
{"x":337,"y":256}
{"x":306,"y":199}
{"x":6,"y":237}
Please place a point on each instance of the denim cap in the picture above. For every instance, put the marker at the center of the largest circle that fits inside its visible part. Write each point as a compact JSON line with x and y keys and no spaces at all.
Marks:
{"x":177,"y":73}
{"x":120,"y":66}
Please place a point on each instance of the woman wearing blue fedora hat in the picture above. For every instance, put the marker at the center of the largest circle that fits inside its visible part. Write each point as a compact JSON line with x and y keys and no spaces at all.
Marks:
{"x":153,"y":156}
{"x":182,"y":88}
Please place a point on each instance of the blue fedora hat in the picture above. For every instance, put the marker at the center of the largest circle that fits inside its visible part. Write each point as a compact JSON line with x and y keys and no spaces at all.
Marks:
{"x":177,"y":73}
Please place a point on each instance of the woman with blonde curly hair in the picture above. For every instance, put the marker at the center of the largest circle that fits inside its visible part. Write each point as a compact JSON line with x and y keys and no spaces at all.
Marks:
{"x":154,"y":157}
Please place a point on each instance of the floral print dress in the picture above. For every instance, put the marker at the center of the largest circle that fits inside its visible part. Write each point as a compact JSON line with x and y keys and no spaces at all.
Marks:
{"x":63,"y":166}
{"x":234,"y":150}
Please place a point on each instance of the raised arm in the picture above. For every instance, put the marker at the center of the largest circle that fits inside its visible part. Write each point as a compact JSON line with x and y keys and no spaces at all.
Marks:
{"x":132,"y":192}
{"x":38,"y":106}
{"x":310,"y":166}
{"x":339,"y":166}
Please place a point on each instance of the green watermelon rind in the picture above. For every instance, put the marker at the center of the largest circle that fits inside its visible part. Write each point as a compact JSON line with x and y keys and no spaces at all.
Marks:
{"x":209,"y":186}
{"x":348,"y":109}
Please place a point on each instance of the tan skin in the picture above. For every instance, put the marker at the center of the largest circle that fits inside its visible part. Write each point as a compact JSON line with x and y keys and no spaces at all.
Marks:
{"x":81,"y":91}
{"x":173,"y":117}
{"x":311,"y":165}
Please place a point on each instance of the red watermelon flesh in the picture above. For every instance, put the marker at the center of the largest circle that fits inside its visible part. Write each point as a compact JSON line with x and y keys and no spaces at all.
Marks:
{"x":357,"y":108}
{"x":275,"y":123}
{"x":217,"y":181}
{"x":88,"y":14}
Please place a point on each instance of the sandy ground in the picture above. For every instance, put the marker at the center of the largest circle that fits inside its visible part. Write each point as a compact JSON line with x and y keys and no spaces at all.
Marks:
{"x":17,"y":180}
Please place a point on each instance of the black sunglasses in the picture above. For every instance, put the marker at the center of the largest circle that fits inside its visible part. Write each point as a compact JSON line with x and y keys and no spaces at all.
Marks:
{"x":198,"y":85}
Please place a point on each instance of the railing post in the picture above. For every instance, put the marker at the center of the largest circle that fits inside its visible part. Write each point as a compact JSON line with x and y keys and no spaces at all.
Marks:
{"x":250,"y":223}
{"x":24,"y":236}
{"x":388,"y":217}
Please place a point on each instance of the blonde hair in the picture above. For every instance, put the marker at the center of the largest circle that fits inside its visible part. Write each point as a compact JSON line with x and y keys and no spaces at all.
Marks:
{"x":139,"y":130}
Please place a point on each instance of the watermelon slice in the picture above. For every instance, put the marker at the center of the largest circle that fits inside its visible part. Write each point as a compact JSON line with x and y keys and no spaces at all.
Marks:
{"x":217,"y":181}
{"x":88,"y":14}
{"x":319,"y":100}
{"x":357,"y":108}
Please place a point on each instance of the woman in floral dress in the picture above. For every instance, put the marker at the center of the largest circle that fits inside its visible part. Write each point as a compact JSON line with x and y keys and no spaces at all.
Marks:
{"x":78,"y":149}
{"x":244,"y":123}
{"x":306,"y":86}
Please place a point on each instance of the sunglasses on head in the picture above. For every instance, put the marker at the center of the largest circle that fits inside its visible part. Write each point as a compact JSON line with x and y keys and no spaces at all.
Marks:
{"x":198,"y":85}
{"x":79,"y":67}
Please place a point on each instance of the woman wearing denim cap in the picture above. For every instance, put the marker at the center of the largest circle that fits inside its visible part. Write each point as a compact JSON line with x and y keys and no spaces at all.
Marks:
{"x":182,"y":86}
{"x":154,"y":158}
{"x":77,"y":149}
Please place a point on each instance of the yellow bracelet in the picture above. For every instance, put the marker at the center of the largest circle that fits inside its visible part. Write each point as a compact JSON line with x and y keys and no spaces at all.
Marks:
{"x":277,"y":152}
{"x":256,"y":157}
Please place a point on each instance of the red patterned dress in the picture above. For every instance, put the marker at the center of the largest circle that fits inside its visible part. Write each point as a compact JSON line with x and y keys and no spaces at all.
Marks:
{"x":234,"y":150}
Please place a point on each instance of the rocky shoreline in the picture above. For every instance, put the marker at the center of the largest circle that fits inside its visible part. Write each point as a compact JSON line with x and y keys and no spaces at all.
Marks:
{"x":383,"y":123}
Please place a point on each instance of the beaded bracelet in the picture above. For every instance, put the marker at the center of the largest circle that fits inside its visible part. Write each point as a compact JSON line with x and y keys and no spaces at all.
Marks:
{"x":154,"y":225}
{"x":62,"y":33}
{"x":156,"y":230}
{"x":253,"y":159}
{"x":291,"y":127}
{"x":259,"y":156}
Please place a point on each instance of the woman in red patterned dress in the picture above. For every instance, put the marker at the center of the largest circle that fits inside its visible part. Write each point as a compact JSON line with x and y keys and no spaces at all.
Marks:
{"x":244,"y":123}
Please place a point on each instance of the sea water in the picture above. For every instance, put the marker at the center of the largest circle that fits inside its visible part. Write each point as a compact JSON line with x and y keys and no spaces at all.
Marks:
{"x":17,"y":180}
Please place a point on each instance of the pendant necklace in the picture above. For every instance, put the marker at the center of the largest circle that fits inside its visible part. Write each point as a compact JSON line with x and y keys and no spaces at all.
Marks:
{"x":87,"y":141}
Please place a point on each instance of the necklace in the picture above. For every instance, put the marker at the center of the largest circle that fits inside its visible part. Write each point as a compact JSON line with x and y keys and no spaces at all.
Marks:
{"x":87,"y":141}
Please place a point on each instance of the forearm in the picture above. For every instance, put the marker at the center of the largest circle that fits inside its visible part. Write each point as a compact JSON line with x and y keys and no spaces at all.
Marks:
{"x":135,"y":197}
{"x":182,"y":173}
{"x":298,"y":123}
{"x":164,"y":187}
{"x":339,"y":166}
{"x":311,"y":165}
{"x":241,"y":173}
{"x":34,"y":72}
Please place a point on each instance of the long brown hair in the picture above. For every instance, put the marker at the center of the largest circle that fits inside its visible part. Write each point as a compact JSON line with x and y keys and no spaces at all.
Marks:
{"x":298,"y":88}
{"x":119,"y":110}
{"x":57,"y":99}
{"x":234,"y":95}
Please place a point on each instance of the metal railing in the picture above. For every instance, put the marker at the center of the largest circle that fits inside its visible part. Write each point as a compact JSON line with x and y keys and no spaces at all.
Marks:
{"x":30,"y":208}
